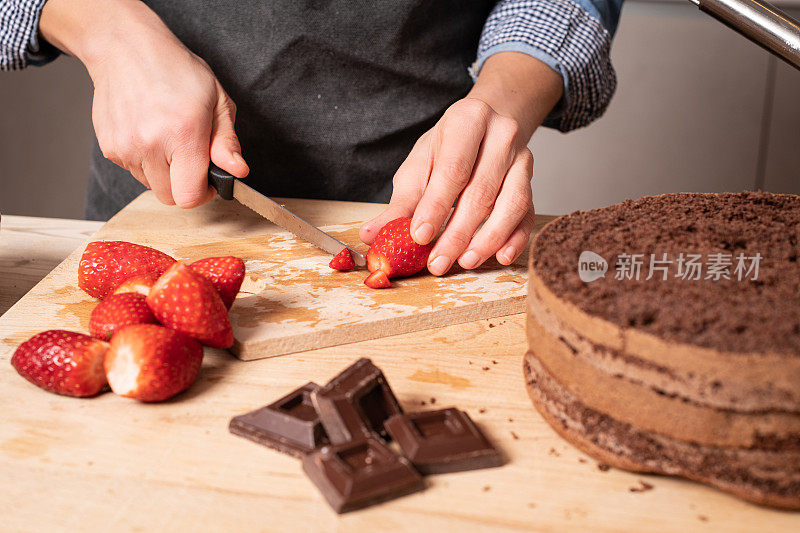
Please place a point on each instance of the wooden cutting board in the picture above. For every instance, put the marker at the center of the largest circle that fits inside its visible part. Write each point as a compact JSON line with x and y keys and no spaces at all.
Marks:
{"x":290,"y":301}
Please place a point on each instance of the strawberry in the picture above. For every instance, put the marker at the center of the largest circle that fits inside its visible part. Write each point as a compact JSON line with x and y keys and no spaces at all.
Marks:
{"x":225,"y":274}
{"x":378,"y":280}
{"x":151,"y":363}
{"x":140,"y":284}
{"x":106,"y":264}
{"x":395,"y":252}
{"x":63,"y":362}
{"x":119,"y":310}
{"x":342,"y":261}
{"x":184,"y":300}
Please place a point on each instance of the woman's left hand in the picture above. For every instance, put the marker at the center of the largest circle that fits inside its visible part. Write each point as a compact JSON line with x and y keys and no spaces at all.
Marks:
{"x":477,"y":159}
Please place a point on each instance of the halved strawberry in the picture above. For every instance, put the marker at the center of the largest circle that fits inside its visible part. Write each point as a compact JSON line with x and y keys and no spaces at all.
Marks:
{"x":63,"y":362}
{"x":226,"y":274}
{"x":184,"y":300}
{"x":151,"y":363}
{"x":378,"y":280}
{"x":119,"y":310}
{"x":342,"y":261}
{"x":106,"y":264}
{"x":140,"y":284}
{"x":395,"y":252}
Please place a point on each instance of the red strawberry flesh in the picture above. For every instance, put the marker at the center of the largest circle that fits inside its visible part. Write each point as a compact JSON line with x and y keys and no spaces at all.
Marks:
{"x":106,"y":264}
{"x":378,"y":280}
{"x":63,"y":362}
{"x":394,"y":251}
{"x":226,"y":274}
{"x":119,"y":310}
{"x":185,"y":301}
{"x":342,"y":261}
{"x":151,"y":363}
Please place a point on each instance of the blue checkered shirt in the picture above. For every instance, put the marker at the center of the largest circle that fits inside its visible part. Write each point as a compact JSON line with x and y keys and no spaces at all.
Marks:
{"x":573,"y":37}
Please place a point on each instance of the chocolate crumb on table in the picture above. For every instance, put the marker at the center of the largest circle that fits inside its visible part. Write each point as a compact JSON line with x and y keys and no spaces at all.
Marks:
{"x":643,"y":487}
{"x":482,"y":410}
{"x":702,"y":518}
{"x":487,"y":488}
{"x":603,"y":467}
{"x":514,"y":436}
{"x":485,"y":368}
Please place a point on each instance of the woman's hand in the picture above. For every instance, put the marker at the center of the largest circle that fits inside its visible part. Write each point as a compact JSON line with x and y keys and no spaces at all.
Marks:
{"x":476,"y":156}
{"x":158,"y":110}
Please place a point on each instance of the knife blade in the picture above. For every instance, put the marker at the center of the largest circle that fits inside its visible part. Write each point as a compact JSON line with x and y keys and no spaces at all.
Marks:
{"x":230,"y":188}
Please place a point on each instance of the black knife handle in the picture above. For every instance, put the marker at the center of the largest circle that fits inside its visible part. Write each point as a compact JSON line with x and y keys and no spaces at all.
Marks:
{"x":221,"y":181}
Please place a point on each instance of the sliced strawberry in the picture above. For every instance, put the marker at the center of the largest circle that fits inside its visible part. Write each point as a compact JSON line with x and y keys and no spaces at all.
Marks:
{"x":63,"y":362}
{"x":140,"y":284}
{"x":184,"y":300}
{"x":342,"y":261}
{"x":119,"y":310}
{"x":226,"y":274}
{"x":151,"y":363}
{"x":394,"y":251}
{"x":106,"y":264}
{"x":378,"y":280}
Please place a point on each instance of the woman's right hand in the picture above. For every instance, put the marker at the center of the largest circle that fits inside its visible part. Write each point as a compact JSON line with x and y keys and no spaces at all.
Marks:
{"x":158,"y":110}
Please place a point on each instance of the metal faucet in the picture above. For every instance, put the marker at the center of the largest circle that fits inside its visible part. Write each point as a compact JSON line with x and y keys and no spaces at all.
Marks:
{"x":761,"y":22}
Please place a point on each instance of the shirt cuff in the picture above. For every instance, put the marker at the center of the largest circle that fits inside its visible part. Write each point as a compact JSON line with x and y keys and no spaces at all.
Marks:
{"x":566,"y":37}
{"x":19,"y":35}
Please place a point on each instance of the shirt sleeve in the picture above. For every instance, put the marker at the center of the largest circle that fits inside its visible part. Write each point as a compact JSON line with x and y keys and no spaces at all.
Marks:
{"x":19,"y":35}
{"x":573,"y":37}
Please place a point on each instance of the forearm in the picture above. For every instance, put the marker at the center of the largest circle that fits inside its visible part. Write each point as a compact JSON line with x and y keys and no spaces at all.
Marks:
{"x":519,"y":86}
{"x":93,"y":30}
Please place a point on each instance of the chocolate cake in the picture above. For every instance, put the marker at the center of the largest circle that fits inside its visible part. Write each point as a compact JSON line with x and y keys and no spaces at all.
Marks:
{"x":664,"y":336}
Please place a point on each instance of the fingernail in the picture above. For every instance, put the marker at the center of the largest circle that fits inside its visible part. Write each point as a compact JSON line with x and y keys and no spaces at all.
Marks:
{"x":439,"y":265}
{"x":469,"y":259}
{"x":424,"y":233}
{"x":509,"y":254}
{"x":238,"y":159}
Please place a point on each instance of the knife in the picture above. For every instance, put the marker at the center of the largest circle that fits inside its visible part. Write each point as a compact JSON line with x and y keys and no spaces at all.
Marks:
{"x":230,"y":188}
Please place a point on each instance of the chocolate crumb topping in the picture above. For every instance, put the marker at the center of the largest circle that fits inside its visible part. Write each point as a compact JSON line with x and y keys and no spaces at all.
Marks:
{"x":751,"y":315}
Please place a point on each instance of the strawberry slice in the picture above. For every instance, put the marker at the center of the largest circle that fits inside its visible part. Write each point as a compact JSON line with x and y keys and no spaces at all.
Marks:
{"x":119,"y":310}
{"x":106,"y":264}
{"x":151,"y":363}
{"x":184,"y":300}
{"x":394,"y":251}
{"x":343,"y":261}
{"x":63,"y":362}
{"x":140,"y":284}
{"x":226,"y":274}
{"x":378,"y":280}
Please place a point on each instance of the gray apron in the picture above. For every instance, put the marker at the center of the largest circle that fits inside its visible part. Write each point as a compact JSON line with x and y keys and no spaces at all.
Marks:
{"x":331,"y":94}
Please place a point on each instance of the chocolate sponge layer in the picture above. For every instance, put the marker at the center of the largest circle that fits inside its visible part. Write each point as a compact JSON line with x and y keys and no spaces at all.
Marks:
{"x":739,"y":316}
{"x":764,"y":477}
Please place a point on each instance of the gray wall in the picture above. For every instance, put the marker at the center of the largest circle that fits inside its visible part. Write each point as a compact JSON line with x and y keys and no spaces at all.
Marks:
{"x":45,"y":133}
{"x":698,"y":108}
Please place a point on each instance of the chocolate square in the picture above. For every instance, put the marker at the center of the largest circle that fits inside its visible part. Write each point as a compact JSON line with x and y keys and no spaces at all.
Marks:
{"x":290,"y":425}
{"x":355,"y":404}
{"x":360,"y":473}
{"x":446,"y":440}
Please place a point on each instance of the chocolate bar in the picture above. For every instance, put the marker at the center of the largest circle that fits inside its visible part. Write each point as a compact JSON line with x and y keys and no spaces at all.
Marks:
{"x":355,"y":404}
{"x":446,"y":440}
{"x":363,"y":472}
{"x":289,"y":425}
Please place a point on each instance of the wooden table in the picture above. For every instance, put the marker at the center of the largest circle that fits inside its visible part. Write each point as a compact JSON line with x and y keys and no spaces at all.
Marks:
{"x":108,"y":463}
